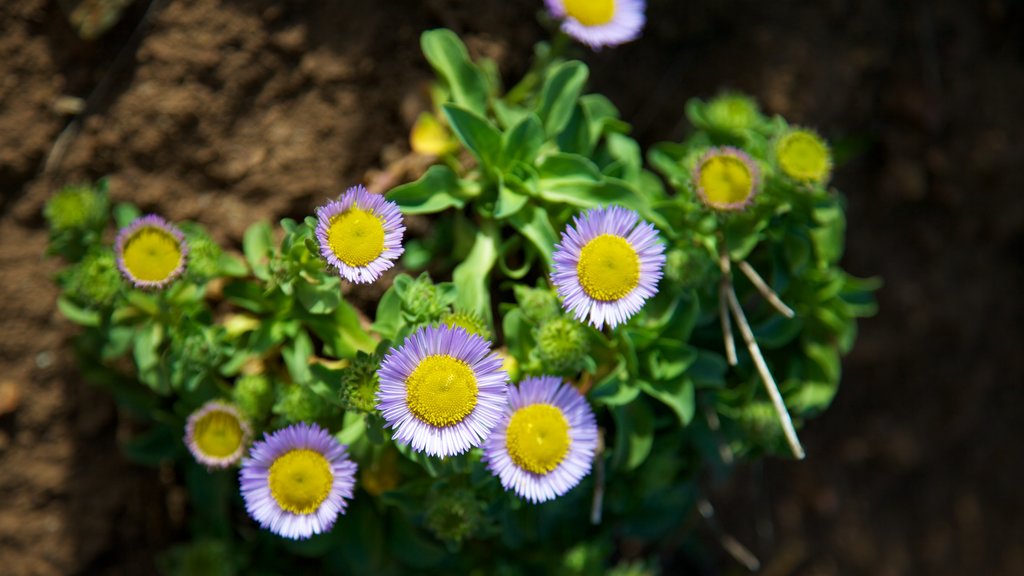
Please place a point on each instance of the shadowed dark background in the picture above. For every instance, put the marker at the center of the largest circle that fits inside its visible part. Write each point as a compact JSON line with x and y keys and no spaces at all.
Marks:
{"x":228,"y":111}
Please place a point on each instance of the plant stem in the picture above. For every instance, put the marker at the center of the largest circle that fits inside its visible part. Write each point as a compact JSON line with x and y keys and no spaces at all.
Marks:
{"x":765,"y":290}
{"x":723,"y":311}
{"x":766,"y":375}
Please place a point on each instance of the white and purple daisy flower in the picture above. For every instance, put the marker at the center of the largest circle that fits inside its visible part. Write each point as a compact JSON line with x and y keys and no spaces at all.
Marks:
{"x":607,"y":265}
{"x":545,"y":443}
{"x":151,"y":252}
{"x":360,"y":234}
{"x":726,"y":178}
{"x":216,"y":434}
{"x":442,"y":390}
{"x":600,"y":23}
{"x":296,"y":481}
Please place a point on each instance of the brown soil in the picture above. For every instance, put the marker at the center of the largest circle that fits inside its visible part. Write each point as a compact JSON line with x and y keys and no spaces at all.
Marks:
{"x":229,"y":111}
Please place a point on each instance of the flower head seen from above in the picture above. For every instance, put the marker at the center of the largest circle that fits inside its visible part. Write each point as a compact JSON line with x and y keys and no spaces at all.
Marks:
{"x":296,"y":481}
{"x":545,"y":443}
{"x":151,"y":253}
{"x":726,"y":179}
{"x":804,"y":156}
{"x":216,"y":434}
{"x":607,"y":265}
{"x":442,"y":390}
{"x":600,"y":23}
{"x":360,"y":234}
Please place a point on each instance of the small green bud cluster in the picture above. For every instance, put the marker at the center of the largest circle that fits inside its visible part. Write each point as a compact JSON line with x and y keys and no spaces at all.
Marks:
{"x":562,"y":345}
{"x":359,"y":383}
{"x":203,"y":254}
{"x":732,"y":112}
{"x":297,"y":403}
{"x":468,"y":321}
{"x":77,"y":208}
{"x":95,"y":281}
{"x":254,"y":396}
{"x":423,"y":301}
{"x":77,"y":215}
{"x":453,"y":515}
{"x":687,"y":267}
{"x":538,"y":304}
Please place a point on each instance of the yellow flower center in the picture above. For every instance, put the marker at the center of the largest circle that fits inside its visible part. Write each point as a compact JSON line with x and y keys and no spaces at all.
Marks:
{"x":441,"y":390}
{"x":590,"y":12}
{"x":218,"y":434}
{"x":300,"y":480}
{"x":609,"y":268}
{"x":804,"y":156}
{"x":538,"y":438}
{"x":356,"y":237}
{"x":152,"y":254}
{"x":726,"y":180}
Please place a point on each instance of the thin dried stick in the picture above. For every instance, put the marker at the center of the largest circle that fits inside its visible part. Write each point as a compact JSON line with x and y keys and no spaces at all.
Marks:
{"x":766,"y":375}
{"x":723,"y":311}
{"x":765,"y":289}
{"x":738,"y":551}
{"x":597,"y":505}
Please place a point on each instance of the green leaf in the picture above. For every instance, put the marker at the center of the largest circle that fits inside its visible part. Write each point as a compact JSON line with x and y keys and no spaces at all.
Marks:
{"x":708,"y":370}
{"x":319,"y":298}
{"x":576,"y":136}
{"x":616,"y":389}
{"x":509,"y":202}
{"x":257,"y":245}
{"x":634,"y":434}
{"x":296,"y":357}
{"x":78,"y":314}
{"x":437,"y":190}
{"x":522,"y":142}
{"x":472,"y":275}
{"x":125,"y":214}
{"x":389,"y":314}
{"x":477,"y":134}
{"x":147,"y":343}
{"x":812,"y":396}
{"x":559,"y":94}
{"x":677,"y":394}
{"x":533,"y":223}
{"x":449,"y":57}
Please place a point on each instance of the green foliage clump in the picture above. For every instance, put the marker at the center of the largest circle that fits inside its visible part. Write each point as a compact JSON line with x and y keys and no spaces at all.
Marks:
{"x":272,"y":329}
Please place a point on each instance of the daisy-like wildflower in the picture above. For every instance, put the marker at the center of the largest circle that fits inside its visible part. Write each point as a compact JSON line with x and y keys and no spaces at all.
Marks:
{"x":607,"y":265}
{"x":216,"y":434}
{"x":545,"y":443}
{"x":726,"y":178}
{"x":600,"y":23}
{"x":804,"y":156}
{"x":151,"y":252}
{"x":360,"y":234}
{"x":296,"y":481}
{"x":442,"y":390}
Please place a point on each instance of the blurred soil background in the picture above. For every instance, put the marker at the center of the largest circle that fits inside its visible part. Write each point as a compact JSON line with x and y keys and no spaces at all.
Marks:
{"x":229,"y":111}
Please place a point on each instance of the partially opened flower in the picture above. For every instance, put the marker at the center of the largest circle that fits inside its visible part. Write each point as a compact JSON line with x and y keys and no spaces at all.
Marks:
{"x":216,"y":434}
{"x":607,"y":265}
{"x":599,"y":23}
{"x":804,"y":156}
{"x":726,"y":178}
{"x":545,"y":443}
{"x":360,"y":234}
{"x":442,"y":390}
{"x":296,"y":481}
{"x":151,"y":252}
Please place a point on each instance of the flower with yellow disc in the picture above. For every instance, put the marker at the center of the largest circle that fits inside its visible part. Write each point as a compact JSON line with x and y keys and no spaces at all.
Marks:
{"x":151,"y":252}
{"x":545,"y":443}
{"x":360,"y":234}
{"x":607,"y":265}
{"x":216,"y":434}
{"x":296,"y":481}
{"x":600,"y":23}
{"x":442,"y":390}
{"x":726,"y":179}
